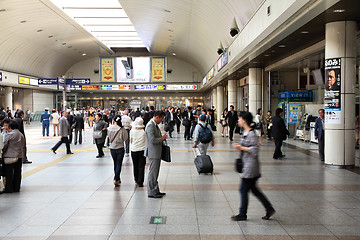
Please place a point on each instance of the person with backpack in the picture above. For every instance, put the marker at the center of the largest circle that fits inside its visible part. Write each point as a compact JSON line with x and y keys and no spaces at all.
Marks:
{"x":203,"y":135}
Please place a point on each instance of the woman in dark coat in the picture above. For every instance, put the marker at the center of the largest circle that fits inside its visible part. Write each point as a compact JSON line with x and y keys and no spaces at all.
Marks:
{"x":100,"y":125}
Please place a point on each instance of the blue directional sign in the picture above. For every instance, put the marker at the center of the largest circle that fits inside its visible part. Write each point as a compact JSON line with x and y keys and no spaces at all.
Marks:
{"x":78,"y":81}
{"x":47,"y":81}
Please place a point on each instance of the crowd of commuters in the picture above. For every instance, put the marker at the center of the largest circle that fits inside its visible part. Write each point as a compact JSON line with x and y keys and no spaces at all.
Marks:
{"x":138,"y":131}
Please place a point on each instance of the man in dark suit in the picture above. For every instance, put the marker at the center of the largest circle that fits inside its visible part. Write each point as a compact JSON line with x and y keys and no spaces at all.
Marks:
{"x":70,"y":119}
{"x":170,"y":120}
{"x":279,"y":133}
{"x":79,"y":127}
{"x":320,"y":133}
{"x":211,"y":119}
{"x":232,"y":119}
{"x":187,"y":120}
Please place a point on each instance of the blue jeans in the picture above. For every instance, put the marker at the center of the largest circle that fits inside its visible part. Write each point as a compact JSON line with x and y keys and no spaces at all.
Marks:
{"x":248,"y":184}
{"x":45,"y":125}
{"x":193,"y":128}
{"x":117,"y":156}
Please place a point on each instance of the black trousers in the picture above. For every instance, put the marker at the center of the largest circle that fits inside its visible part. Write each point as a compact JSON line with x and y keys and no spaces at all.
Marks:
{"x":139,"y":162}
{"x":100,"y":145}
{"x":231,"y":134}
{"x":70,"y":135}
{"x":12,"y":173}
{"x":248,"y":184}
{"x":78,"y":131}
{"x":171,"y":128}
{"x":321,"y":143}
{"x":187,"y":132}
{"x":178,"y":124}
{"x":127,"y":142}
{"x":278,"y":144}
{"x":63,"y":140}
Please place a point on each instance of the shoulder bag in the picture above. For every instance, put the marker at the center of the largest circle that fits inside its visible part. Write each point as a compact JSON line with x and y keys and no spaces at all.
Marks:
{"x":97,"y":134}
{"x":115,"y":135}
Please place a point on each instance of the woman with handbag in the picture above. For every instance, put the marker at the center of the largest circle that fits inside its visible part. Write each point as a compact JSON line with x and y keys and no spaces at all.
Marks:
{"x":99,"y":134}
{"x":117,"y":136}
{"x":249,"y":151}
{"x":224,"y":123}
{"x":178,"y":115}
{"x":137,"y":144}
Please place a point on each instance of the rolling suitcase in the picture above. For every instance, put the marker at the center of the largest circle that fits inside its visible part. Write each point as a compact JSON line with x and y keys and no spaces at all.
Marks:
{"x":204,"y":164}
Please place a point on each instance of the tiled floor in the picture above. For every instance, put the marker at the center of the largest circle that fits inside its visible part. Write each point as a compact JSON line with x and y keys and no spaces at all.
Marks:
{"x":73,"y":197}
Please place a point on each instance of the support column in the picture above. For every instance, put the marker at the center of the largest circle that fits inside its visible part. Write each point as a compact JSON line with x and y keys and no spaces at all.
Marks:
{"x":255,"y":96}
{"x":9,"y":98}
{"x":340,"y":43}
{"x":232,"y":93}
{"x":214,"y":102}
{"x":220,"y":101}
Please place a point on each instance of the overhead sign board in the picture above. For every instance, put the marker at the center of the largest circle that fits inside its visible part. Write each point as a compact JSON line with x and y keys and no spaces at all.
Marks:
{"x":34,"y":82}
{"x":75,"y":87}
{"x":181,"y":87}
{"x":78,"y":81}
{"x":90,"y":87}
{"x":47,"y":81}
{"x":150,"y":87}
{"x":115,"y":87}
{"x":210,"y":74}
{"x":24,"y":80}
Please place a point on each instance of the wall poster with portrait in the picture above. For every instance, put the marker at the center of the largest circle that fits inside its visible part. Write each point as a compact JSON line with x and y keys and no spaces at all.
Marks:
{"x":333,"y":91}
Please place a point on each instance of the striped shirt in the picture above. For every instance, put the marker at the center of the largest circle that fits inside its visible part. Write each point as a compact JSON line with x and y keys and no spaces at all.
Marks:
{"x":251,"y":165}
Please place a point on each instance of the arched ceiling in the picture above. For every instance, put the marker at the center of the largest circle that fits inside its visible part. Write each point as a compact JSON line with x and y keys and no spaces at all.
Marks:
{"x":190,"y":28}
{"x":39,"y":40}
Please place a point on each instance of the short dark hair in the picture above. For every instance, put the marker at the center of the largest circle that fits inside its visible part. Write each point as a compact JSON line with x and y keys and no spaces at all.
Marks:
{"x":278,"y":111}
{"x":13,"y":125}
{"x":159,"y":114}
{"x":258,"y":111}
{"x":321,"y":109}
{"x":152,"y":107}
{"x":232,"y":106}
{"x":198,"y":106}
{"x":100,"y":115}
{"x":20,"y":112}
{"x":6,"y":120}
{"x":247,"y":116}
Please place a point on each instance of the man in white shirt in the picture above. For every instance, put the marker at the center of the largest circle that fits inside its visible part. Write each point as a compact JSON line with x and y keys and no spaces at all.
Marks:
{"x":126,"y":122}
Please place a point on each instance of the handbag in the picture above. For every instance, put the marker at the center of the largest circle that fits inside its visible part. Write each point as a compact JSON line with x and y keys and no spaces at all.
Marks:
{"x":165,"y":152}
{"x":10,"y":160}
{"x":185,"y":122}
{"x":97,"y":134}
{"x":237,"y":129}
{"x":239,"y":165}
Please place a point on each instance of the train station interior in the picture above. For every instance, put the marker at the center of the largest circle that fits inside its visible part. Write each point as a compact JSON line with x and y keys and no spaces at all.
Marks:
{"x":301,"y":56}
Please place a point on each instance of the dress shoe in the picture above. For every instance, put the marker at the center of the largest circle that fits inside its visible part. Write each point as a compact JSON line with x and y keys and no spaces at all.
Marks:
{"x":156,"y":196}
{"x":69,"y":153}
{"x":239,"y":218}
{"x":269,"y":214}
{"x":117,"y":183}
{"x":53,"y":151}
{"x":27,"y":162}
{"x":140,"y":185}
{"x":161,"y":193}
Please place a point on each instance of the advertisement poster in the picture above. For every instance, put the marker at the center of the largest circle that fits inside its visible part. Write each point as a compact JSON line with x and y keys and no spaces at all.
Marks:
{"x":293,"y":112}
{"x":181,"y":87}
{"x":133,"y":69}
{"x":24,"y":80}
{"x":210,"y":73}
{"x":158,"y":69}
{"x":333,"y":91}
{"x":107,"y":73}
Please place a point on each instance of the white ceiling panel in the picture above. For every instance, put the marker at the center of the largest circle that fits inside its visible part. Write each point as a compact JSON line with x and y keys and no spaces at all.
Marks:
{"x":195,"y":27}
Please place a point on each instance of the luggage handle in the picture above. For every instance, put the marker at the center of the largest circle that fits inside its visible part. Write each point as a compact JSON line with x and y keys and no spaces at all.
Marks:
{"x":196,"y":152}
